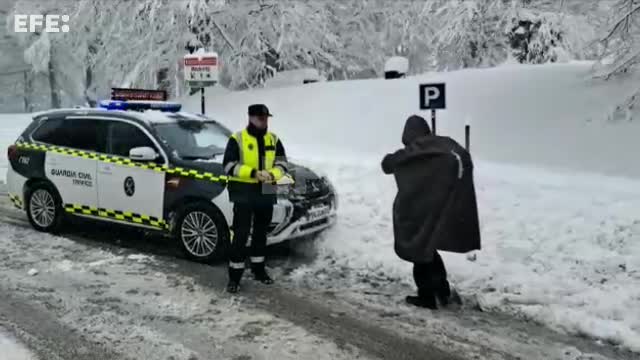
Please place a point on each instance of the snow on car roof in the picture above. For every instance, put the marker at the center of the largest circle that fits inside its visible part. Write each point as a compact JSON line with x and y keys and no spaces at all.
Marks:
{"x":147,"y":116}
{"x":157,"y":117}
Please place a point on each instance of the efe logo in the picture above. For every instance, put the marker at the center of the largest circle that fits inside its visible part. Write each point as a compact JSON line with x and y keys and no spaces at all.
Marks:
{"x":50,"y":23}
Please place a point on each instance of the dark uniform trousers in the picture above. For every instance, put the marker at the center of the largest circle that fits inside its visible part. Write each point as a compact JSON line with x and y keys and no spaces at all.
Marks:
{"x":244,"y":215}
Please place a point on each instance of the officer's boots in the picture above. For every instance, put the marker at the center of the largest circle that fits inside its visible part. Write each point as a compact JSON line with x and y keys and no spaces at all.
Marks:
{"x":260,"y":273}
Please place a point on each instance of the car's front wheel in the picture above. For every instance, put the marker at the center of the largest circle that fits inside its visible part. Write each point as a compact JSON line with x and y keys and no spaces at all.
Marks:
{"x":44,"y":208}
{"x":202,"y":232}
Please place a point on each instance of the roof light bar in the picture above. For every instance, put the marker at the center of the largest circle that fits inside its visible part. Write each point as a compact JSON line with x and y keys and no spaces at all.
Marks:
{"x":138,"y":94}
{"x":139,"y":105}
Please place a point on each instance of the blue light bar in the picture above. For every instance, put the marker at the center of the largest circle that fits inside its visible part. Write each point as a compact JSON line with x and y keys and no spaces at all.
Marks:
{"x":139,"y":105}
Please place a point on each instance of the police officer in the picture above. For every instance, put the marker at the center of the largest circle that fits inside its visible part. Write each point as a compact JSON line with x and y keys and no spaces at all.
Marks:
{"x":255,"y":159}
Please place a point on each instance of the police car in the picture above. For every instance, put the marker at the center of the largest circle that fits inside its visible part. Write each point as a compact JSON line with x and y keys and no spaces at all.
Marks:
{"x":148,"y":164}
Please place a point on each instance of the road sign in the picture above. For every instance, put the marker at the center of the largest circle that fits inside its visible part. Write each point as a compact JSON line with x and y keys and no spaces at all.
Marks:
{"x":201,"y":69}
{"x":432,"y":96}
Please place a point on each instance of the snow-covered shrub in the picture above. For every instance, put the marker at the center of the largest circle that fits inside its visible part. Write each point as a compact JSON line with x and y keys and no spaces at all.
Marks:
{"x":534,"y":41}
{"x":396,"y":67}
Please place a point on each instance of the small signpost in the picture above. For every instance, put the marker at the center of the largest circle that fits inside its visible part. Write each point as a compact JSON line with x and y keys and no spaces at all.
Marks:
{"x":200,"y":71}
{"x":433,"y":97}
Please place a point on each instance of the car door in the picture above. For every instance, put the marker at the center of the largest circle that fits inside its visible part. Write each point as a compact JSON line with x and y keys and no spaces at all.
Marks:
{"x":126,"y":188}
{"x":71,"y":170}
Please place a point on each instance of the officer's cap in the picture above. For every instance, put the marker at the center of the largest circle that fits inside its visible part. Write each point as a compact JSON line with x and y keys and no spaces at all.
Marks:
{"x":259,"y":110}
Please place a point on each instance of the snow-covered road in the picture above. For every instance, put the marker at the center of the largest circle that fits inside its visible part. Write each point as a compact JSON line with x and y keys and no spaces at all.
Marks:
{"x":114,"y":300}
{"x":11,"y":349}
{"x":138,"y":308}
{"x":558,"y":248}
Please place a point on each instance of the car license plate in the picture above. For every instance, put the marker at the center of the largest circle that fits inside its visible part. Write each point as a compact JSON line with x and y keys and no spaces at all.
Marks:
{"x":318,"y":212}
{"x":279,"y":214}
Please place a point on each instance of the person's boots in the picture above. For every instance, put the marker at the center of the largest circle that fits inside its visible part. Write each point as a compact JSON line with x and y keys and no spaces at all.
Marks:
{"x":425,"y":299}
{"x":443,"y":293}
{"x":260,"y":273}
{"x":234,"y":280}
{"x":447,"y":295}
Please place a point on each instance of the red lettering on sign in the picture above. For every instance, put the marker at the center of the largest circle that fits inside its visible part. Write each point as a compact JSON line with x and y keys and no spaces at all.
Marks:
{"x":208,"y":61}
{"x":138,"y":94}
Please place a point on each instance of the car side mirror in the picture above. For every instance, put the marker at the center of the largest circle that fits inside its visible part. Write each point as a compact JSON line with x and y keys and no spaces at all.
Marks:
{"x":143,"y":153}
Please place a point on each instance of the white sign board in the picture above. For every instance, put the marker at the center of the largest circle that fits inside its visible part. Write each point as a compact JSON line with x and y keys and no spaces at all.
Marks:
{"x":201,"y":69}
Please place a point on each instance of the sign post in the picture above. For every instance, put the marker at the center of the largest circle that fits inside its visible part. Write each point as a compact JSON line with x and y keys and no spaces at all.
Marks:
{"x":200,"y":71}
{"x":467,"y":138}
{"x":432,"y":97}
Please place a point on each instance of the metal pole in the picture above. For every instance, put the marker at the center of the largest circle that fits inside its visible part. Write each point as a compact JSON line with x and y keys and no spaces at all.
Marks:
{"x":433,"y":121}
{"x":202,"y":100}
{"x":467,"y":137}
{"x":26,"y":92}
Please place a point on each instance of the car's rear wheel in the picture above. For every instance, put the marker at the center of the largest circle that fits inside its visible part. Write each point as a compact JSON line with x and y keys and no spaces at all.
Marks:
{"x":44,"y":208}
{"x":202,"y":232}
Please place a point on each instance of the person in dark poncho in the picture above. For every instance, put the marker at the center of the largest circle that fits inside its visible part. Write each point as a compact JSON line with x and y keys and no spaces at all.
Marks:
{"x":435,"y":208}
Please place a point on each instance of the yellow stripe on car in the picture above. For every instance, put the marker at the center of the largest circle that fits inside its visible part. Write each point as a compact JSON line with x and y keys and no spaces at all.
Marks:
{"x":124,"y":216}
{"x":192,"y":173}
{"x":16,"y":200}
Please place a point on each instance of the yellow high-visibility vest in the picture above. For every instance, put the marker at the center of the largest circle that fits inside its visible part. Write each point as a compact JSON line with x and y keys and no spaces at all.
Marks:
{"x":250,"y":157}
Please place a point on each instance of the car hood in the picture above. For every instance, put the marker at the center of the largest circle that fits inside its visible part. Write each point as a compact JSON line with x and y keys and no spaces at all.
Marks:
{"x":298,"y":172}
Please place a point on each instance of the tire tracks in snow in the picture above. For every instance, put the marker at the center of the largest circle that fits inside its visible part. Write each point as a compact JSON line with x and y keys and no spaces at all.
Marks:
{"x":371,"y":329}
{"x":353,"y":336}
{"x":44,"y":334}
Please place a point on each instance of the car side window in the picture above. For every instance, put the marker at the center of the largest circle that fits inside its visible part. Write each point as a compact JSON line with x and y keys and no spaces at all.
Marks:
{"x":79,"y":134}
{"x":124,"y":136}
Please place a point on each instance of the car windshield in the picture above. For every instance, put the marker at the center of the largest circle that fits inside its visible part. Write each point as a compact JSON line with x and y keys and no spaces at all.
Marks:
{"x":194,"y":139}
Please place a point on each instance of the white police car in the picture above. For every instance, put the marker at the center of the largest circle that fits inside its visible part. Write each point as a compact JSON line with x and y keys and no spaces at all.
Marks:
{"x":149,"y":165}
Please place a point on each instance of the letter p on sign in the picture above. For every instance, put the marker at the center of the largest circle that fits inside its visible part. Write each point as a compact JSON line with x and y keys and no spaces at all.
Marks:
{"x":432,"y":96}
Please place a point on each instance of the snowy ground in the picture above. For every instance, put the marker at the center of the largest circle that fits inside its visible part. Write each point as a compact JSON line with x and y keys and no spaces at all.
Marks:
{"x":140,"y":307}
{"x":11,"y":126}
{"x":11,"y":349}
{"x":560,"y":243}
{"x":559,"y":248}
{"x":117,"y":294}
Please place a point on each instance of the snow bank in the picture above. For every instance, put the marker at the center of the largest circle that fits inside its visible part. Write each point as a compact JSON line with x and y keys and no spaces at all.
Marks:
{"x":12,"y":350}
{"x":550,"y":115}
{"x":560,"y":249}
{"x":559,"y":246}
{"x":11,"y":126}
{"x":293,"y":78}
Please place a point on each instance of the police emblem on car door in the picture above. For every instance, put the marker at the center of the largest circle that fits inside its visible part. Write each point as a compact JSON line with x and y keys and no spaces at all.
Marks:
{"x":129,"y":186}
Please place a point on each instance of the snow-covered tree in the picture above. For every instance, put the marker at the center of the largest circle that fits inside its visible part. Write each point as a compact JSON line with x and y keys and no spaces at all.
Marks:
{"x":140,"y":43}
{"x":470,"y":33}
{"x":548,"y":31}
{"x":622,"y":39}
{"x":46,"y":52}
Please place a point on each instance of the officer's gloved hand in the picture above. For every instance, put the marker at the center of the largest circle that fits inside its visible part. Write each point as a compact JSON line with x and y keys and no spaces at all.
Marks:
{"x":264,"y":176}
